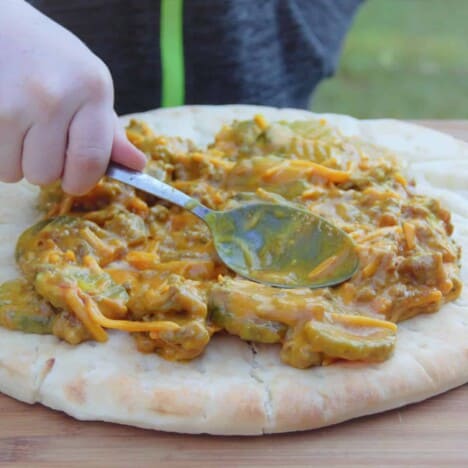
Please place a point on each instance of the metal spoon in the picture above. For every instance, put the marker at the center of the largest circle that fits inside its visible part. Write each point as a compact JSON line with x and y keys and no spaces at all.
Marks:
{"x":275,"y":244}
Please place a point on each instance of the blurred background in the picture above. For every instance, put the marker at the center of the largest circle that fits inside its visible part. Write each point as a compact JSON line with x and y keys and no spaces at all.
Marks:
{"x":404,"y":59}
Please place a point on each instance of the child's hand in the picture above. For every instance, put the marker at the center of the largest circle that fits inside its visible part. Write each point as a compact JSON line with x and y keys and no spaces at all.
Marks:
{"x":56,"y":105}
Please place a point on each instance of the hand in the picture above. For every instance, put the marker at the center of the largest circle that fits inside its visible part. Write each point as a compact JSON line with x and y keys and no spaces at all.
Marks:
{"x":56,"y":105}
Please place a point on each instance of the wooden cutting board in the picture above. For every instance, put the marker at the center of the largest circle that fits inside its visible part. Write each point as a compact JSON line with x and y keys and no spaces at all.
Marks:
{"x":431,"y":433}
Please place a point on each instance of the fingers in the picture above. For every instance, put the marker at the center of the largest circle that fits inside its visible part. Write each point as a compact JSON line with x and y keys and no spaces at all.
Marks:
{"x":11,"y":144}
{"x":94,"y":135}
{"x":43,"y":152}
{"x":123,"y":152}
{"x":90,"y":138}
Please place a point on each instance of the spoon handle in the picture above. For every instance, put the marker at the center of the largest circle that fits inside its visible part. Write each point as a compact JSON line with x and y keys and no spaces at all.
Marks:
{"x":151,"y":185}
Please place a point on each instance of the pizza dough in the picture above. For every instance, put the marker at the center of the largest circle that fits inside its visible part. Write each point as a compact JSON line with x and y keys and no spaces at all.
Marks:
{"x":235,"y":387}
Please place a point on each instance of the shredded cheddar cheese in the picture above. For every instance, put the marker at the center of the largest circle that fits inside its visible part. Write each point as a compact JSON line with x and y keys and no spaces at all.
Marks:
{"x":96,"y":316}
{"x":370,"y":269}
{"x":119,"y":259}
{"x":143,"y":260}
{"x":410,"y":235}
{"x":400,"y":179}
{"x":294,"y":169}
{"x":79,"y":305}
{"x":261,"y":121}
{"x":66,"y":205}
{"x":322,"y":267}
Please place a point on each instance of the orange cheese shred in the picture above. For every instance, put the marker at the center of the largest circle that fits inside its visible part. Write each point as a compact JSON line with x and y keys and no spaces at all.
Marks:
{"x":143,"y":260}
{"x":297,"y":168}
{"x":66,"y":205}
{"x":97,"y":243}
{"x":434,"y":296}
{"x":410,"y":235}
{"x":100,"y":320}
{"x":322,"y":267}
{"x":362,"y":321}
{"x":400,"y":179}
{"x":215,"y":161}
{"x":199,"y":269}
{"x":377,"y":234}
{"x":76,"y":301}
{"x":260,"y":121}
{"x":137,"y":205}
{"x":370,"y":269}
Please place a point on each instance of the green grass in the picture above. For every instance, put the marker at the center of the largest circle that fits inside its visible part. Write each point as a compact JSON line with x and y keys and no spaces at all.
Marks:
{"x":404,"y":59}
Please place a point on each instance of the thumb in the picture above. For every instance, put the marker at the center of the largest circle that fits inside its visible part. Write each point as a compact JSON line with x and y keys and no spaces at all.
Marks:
{"x":123,"y":152}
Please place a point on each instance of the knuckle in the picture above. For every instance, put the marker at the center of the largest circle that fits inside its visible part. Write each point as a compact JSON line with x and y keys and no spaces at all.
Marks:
{"x":11,"y":113}
{"x":98,"y":84}
{"x":87,"y":158}
{"x":48,"y":97}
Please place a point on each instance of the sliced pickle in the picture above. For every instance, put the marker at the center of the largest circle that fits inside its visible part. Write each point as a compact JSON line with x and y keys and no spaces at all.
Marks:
{"x":28,"y":241}
{"x":248,"y":328}
{"x":69,"y":328}
{"x":239,"y":318}
{"x":297,"y":351}
{"x":21,"y":308}
{"x":51,"y":283}
{"x":337,"y":336}
{"x":186,"y":343}
{"x":247,"y":299}
{"x":165,"y":298}
{"x":65,"y":234}
{"x":352,"y":337}
{"x":61,"y":257}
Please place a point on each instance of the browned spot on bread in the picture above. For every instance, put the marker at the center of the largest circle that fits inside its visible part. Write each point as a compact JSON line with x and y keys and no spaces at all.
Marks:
{"x":296,"y":408}
{"x":248,"y":403}
{"x":76,"y":391}
{"x":49,"y":364}
{"x":180,"y":403}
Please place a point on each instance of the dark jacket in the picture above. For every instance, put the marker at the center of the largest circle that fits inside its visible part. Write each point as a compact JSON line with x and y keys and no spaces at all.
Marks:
{"x":270,"y":52}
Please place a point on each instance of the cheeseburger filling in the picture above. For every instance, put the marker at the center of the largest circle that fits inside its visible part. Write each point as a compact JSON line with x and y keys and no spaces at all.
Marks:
{"x":118,"y":258}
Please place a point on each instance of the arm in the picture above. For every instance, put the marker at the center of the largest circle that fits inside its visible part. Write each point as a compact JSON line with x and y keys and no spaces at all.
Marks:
{"x":56,"y":105}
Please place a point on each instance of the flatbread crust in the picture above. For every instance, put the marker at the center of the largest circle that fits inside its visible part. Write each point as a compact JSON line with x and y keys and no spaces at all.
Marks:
{"x":236,"y":388}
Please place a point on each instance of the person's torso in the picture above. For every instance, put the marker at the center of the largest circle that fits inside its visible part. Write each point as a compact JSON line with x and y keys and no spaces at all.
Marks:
{"x":269,"y":52}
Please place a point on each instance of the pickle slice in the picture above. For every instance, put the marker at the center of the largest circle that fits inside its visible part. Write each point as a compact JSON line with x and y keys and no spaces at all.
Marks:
{"x":352,"y":337}
{"x":50,"y":284}
{"x":21,"y":308}
{"x":184,"y":344}
{"x":239,"y":317}
{"x":61,"y":235}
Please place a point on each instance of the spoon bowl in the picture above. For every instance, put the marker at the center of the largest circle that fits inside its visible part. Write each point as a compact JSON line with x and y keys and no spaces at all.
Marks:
{"x":274,"y":244}
{"x":282,"y":246}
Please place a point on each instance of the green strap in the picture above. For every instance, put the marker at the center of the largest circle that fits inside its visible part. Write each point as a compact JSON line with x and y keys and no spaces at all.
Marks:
{"x":172,"y":53}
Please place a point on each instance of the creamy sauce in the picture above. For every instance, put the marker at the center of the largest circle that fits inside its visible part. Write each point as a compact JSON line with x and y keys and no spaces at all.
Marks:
{"x":118,"y":258}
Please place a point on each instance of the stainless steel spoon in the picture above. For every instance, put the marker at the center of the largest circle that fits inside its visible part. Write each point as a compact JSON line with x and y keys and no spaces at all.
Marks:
{"x":275,"y":244}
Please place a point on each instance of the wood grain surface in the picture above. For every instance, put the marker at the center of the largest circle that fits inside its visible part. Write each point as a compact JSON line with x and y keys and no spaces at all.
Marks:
{"x":432,"y":433}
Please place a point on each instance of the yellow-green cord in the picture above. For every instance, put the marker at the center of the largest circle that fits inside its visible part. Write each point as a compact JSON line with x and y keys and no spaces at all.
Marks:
{"x":172,"y":53}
